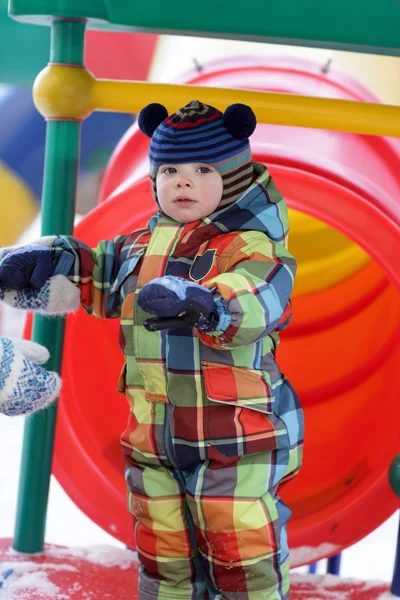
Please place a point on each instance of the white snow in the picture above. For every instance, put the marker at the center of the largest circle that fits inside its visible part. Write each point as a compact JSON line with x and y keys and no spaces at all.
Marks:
{"x":105,"y":555}
{"x":28,"y":577}
{"x":308,"y":554}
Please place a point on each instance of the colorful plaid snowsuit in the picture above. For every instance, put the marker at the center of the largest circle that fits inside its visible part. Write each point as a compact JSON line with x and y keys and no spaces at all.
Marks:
{"x":214,"y":426}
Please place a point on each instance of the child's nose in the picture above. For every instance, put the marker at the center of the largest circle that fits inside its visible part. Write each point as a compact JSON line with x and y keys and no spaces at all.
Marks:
{"x":183,"y":182}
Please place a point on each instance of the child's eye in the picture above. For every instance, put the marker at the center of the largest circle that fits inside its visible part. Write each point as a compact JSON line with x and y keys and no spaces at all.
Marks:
{"x":169,"y":170}
{"x":204,"y":170}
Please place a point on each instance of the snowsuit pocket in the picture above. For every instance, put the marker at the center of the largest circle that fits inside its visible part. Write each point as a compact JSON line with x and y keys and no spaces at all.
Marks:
{"x":246,"y":424}
{"x":239,"y":386}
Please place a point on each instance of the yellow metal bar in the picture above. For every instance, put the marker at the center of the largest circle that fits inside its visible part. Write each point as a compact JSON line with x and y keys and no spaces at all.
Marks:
{"x":279,"y":109}
{"x":65,"y":92}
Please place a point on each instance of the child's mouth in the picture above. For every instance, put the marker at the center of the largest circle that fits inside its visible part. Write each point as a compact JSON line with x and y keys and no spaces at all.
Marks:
{"x":183,"y":201}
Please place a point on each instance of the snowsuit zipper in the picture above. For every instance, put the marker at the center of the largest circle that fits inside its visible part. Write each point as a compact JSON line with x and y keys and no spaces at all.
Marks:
{"x":169,"y":450}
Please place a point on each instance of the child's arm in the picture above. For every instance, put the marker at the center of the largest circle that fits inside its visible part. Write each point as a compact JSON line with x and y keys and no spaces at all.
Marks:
{"x":256,"y":288}
{"x":237,"y":307}
{"x":78,"y":275}
{"x":26,"y":280}
{"x":249,"y":298}
{"x":93,"y":271}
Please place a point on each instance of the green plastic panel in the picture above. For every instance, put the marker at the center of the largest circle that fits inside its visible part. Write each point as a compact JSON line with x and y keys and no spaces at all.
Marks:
{"x":24,"y":49}
{"x":358,"y":25}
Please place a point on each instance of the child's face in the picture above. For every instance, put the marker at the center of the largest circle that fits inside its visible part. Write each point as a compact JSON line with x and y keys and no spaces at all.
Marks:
{"x":188,"y":192}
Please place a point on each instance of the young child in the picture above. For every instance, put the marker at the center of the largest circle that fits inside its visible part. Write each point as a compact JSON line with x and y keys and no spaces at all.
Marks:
{"x":214,"y":428}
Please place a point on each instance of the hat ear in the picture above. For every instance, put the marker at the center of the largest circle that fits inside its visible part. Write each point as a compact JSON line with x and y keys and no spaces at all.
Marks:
{"x":240,"y":121}
{"x":150,"y":117}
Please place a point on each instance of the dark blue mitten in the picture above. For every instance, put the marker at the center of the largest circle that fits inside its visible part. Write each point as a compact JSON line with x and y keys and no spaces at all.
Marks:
{"x":179,"y":302}
{"x":27,"y":266}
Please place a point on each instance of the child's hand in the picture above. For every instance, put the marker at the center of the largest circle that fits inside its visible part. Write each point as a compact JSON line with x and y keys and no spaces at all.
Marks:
{"x":25,"y":387}
{"x":27,"y":266}
{"x":179,"y":302}
{"x":28,"y":280}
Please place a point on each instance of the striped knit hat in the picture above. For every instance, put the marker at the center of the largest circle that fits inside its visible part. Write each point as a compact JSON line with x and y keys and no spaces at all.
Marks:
{"x":200,"y":133}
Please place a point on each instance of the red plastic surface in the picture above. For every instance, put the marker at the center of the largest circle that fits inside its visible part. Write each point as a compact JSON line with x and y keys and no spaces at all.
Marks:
{"x":117,"y":55}
{"x":77,"y":578}
{"x":341,"y":351}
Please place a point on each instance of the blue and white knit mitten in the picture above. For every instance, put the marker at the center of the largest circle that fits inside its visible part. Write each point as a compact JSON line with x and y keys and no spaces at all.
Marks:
{"x":58,"y":295}
{"x":25,"y":386}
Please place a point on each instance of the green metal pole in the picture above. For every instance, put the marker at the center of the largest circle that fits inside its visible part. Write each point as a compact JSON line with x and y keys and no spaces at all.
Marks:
{"x":394,"y":480}
{"x":58,"y":206}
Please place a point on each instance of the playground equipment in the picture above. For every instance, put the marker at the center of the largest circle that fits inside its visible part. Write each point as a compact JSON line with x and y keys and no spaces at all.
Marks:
{"x":339,"y":291}
{"x":22,"y":145}
{"x":56,"y":93}
{"x":22,"y":129}
{"x":107,"y":53}
{"x":22,"y":138}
